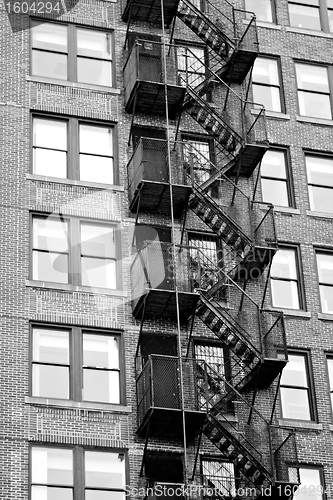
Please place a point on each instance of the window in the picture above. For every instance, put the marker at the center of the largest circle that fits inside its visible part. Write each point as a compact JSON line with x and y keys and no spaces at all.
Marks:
{"x":320,"y":182}
{"x":220,"y":476}
{"x":296,"y":398}
{"x":266,"y":84}
{"x":205,"y":257}
{"x":285,"y":281}
{"x":75,"y":252}
{"x":70,"y":363}
{"x":275,"y":178}
{"x":101,"y":474}
{"x":313,"y":91}
{"x":70,"y":148}
{"x":190,"y":61}
{"x":305,"y":14}
{"x":311,"y":483}
{"x":68,"y":52}
{"x":262,"y":9}
{"x":330,"y":377}
{"x":325,"y":275}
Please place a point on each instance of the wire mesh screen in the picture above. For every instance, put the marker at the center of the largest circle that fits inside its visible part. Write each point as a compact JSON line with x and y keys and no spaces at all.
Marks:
{"x":165,"y":382}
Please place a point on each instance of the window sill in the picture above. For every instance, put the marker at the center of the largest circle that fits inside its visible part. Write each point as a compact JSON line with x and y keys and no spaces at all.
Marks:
{"x":325,"y":316}
{"x":74,"y":288}
{"x":73,"y":182}
{"x":63,"y":403}
{"x":322,"y":215}
{"x":74,"y":85}
{"x":293,"y":312}
{"x":265,"y":24}
{"x":306,"y":31}
{"x":313,"y":120}
{"x":287,"y":210}
{"x":300,"y":424}
{"x":272,"y":114}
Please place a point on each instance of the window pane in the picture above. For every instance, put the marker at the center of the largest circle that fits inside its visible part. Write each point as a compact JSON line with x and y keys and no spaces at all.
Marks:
{"x":285,"y":294}
{"x":104,"y":470}
{"x":261,"y":8}
{"x":100,"y":351}
{"x":50,"y":381}
{"x":104,"y":495}
{"x":49,"y":64}
{"x":51,"y":346}
{"x":50,"y":234}
{"x":284,"y":265}
{"x":311,"y":77}
{"x":96,"y":169}
{"x":274,"y":164}
{"x":50,"y":163}
{"x":49,"y":36}
{"x":96,"y":140}
{"x":52,"y":466}
{"x":94,"y":71}
{"x":325,"y":267}
{"x":51,"y":134}
{"x":315,"y":105}
{"x":310,"y":485}
{"x":50,"y":267}
{"x":93,"y":43}
{"x":275,"y":192}
{"x":98,"y":272}
{"x":48,"y":493}
{"x":101,"y":386}
{"x":294,"y":373}
{"x":295,"y":404}
{"x":265,"y":71}
{"x":326,"y":298}
{"x":267,"y":96}
{"x":304,"y":17}
{"x":321,"y":199}
{"x":320,"y":170}
{"x":98,"y":241}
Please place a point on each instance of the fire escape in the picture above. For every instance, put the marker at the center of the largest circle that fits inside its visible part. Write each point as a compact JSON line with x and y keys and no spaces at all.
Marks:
{"x":180,"y":395}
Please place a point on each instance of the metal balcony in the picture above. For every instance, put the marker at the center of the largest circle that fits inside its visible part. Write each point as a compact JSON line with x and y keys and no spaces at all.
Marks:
{"x":148,"y":87}
{"x":161,"y":400}
{"x":149,"y":177}
{"x":149,"y":11}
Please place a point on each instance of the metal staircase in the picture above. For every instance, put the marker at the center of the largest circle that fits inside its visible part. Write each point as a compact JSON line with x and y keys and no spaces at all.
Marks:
{"x":224,"y":32}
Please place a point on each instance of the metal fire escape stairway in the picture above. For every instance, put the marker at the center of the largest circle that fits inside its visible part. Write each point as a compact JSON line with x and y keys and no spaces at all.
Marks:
{"x":226,"y":37}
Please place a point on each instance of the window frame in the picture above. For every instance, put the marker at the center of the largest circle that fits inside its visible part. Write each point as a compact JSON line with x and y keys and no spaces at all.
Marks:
{"x":280,"y":85}
{"x":73,"y":146}
{"x":72,"y":54}
{"x":288,"y":179}
{"x":329,"y":83}
{"x":74,"y":250}
{"x":310,"y":387}
{"x":329,"y":357}
{"x":75,"y":377}
{"x":325,"y":251}
{"x":272,"y":11}
{"x":78,"y":462}
{"x":324,"y":18}
{"x":321,"y":155}
{"x":185,"y":44}
{"x":304,"y":466}
{"x":299,"y":280}
{"x":218,"y":459}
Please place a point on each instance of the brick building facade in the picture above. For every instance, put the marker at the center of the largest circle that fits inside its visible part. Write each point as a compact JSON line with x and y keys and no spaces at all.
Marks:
{"x":166,"y":278}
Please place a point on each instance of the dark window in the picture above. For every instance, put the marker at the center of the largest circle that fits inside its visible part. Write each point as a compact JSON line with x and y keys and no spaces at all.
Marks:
{"x":74,"y":149}
{"x":69,"y":52}
{"x":275,"y":178}
{"x":266,"y":83}
{"x":325,"y":275}
{"x":285,"y":279}
{"x":330,"y":377}
{"x":311,"y":482}
{"x":102,"y":474}
{"x":313,"y":91}
{"x":78,"y":364}
{"x":262,"y":8}
{"x":320,"y":182}
{"x":295,"y":391}
{"x":76,"y":252}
